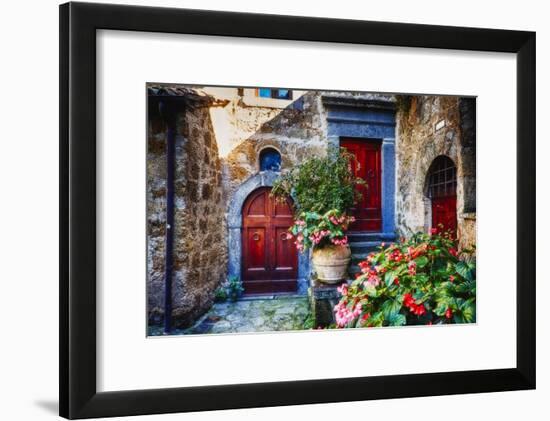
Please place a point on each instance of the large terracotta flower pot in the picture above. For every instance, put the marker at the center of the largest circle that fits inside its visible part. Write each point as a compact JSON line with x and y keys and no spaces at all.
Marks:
{"x":331,"y":263}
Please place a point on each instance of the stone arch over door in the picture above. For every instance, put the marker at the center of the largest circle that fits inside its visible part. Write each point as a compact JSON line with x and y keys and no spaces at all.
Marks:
{"x":234,"y":226}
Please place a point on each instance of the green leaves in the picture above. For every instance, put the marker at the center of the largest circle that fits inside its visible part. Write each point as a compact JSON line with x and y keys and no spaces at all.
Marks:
{"x":390,"y":308}
{"x":466,"y":270}
{"x":467,"y":287}
{"x":421,"y":261}
{"x":389,"y":277}
{"x":320,"y":184}
{"x":468,"y":309}
{"x":370,"y":290}
{"x":397,"y":320}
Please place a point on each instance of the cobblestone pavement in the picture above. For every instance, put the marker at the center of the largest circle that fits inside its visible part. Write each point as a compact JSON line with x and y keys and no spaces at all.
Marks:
{"x":249,"y":315}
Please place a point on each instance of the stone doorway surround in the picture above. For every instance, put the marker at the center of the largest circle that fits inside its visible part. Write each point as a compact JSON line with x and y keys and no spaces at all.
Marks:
{"x":234,"y":226}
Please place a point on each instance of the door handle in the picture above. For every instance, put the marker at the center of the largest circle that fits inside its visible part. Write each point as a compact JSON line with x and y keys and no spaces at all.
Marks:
{"x":256,"y":236}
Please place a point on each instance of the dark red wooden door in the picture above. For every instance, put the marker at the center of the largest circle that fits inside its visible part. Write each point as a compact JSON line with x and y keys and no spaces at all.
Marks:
{"x":442,"y":192}
{"x":444,"y":213}
{"x":367,"y":165}
{"x":270,"y":260}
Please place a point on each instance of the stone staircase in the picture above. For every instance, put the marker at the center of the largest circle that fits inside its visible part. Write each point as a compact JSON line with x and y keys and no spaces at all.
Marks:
{"x":361,"y":245}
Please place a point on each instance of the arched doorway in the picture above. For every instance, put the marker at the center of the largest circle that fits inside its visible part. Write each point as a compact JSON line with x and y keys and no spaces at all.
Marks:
{"x":441,"y":190}
{"x":270,"y":259}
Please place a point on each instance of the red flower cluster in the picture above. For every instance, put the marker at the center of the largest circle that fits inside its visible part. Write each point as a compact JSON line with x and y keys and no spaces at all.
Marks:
{"x":413,"y":252}
{"x":409,"y":302}
{"x":449,"y":313}
{"x":371,"y":273}
{"x":396,"y":255}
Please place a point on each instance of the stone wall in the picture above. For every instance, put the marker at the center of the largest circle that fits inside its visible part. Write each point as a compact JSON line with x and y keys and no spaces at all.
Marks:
{"x":156,"y":217}
{"x":200,"y":251}
{"x":427,"y":127}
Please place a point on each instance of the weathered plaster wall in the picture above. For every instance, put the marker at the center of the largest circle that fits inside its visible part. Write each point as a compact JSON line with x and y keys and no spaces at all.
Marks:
{"x":246,"y":125}
{"x":200,"y":250}
{"x":418,"y":143}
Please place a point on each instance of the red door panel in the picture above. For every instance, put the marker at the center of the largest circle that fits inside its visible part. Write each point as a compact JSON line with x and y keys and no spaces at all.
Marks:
{"x":366,"y":165}
{"x":270,"y":260}
{"x":257,"y":255}
{"x":444,"y":213}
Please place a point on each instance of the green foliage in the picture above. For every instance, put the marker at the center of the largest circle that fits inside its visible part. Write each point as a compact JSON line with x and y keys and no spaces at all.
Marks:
{"x":423,"y":280}
{"x":309,"y":322}
{"x":234,"y":288}
{"x":231,"y":289}
{"x":319,"y":185}
{"x":220,"y":295}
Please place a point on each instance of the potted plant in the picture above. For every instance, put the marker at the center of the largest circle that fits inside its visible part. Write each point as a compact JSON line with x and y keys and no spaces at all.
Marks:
{"x":324,"y":190}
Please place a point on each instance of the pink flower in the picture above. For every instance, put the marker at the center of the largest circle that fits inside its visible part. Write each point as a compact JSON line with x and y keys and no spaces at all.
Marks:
{"x":452,"y":278}
{"x":343,"y":289}
{"x":412,"y":268}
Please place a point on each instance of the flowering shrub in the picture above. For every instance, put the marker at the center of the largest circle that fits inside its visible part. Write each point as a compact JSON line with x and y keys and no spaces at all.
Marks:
{"x":423,"y":280}
{"x":311,"y":229}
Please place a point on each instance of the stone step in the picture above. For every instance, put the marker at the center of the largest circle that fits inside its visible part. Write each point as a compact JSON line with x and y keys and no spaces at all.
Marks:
{"x":370,"y":236}
{"x":363,"y":247}
{"x":358,"y":257}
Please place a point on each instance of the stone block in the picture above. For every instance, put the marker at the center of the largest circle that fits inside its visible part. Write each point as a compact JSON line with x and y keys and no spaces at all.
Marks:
{"x":322,"y":299}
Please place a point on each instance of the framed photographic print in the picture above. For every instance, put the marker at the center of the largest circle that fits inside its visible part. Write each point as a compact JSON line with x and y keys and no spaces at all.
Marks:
{"x":262,"y":210}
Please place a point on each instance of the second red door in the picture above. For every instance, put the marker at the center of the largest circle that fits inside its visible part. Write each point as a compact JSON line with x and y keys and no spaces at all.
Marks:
{"x":366,"y":165}
{"x":270,"y":259}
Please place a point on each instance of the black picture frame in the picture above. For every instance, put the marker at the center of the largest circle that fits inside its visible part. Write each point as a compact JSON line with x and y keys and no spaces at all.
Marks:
{"x":77,"y":379}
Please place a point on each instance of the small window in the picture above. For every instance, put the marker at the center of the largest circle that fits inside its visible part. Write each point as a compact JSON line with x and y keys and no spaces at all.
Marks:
{"x":274,"y":93}
{"x":442,"y":178}
{"x":270,"y":160}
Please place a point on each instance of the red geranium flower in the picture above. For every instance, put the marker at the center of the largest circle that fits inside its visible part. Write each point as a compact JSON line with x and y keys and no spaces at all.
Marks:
{"x":408,"y":300}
